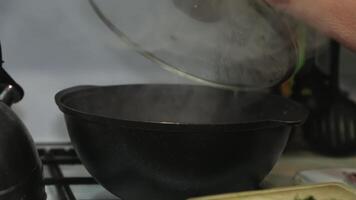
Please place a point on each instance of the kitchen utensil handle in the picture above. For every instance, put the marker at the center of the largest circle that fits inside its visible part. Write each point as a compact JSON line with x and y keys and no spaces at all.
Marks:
{"x":10,"y":91}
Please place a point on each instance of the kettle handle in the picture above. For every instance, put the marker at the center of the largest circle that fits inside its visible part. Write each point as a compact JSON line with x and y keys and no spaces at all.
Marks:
{"x":10,"y":91}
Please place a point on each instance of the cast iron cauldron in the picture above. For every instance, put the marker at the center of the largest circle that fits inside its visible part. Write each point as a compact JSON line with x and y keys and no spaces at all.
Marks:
{"x":170,"y":142}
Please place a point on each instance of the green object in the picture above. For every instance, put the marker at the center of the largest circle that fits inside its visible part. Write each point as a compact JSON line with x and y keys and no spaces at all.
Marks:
{"x":302,"y":48}
{"x":307,"y":198}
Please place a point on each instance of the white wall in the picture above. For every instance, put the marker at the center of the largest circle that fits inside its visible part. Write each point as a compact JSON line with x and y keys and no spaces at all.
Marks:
{"x":53,"y":44}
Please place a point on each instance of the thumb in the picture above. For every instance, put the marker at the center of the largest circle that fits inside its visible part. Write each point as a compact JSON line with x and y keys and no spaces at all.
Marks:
{"x":336,"y":18}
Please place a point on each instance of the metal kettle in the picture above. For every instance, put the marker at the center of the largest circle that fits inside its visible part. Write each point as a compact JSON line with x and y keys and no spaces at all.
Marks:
{"x":20,"y":167}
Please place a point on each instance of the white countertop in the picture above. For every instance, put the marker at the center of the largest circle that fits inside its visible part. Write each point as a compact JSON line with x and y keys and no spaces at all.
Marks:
{"x":293,"y":162}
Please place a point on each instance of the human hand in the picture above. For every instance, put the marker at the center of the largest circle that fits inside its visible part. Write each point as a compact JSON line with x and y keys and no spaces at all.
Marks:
{"x":335,"y":18}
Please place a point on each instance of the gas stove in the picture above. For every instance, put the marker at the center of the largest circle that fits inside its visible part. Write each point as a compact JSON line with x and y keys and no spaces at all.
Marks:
{"x":65,"y":176}
{"x":67,"y":179}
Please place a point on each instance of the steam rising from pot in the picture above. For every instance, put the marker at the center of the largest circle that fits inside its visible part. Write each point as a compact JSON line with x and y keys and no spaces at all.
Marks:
{"x":226,"y":43}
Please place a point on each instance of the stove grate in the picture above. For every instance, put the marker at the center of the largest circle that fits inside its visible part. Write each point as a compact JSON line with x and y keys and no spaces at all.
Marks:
{"x":52,"y":160}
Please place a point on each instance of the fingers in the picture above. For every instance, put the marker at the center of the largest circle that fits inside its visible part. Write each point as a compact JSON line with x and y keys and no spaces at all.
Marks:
{"x":336,"y":18}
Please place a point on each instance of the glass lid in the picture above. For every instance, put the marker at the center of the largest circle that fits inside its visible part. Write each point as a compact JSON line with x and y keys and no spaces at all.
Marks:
{"x":238,"y":44}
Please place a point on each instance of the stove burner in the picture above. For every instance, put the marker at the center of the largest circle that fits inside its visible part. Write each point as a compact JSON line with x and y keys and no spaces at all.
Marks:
{"x":55,"y":157}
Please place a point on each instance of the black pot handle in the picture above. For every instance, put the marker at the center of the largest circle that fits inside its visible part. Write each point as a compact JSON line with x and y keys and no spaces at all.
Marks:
{"x":10,"y":91}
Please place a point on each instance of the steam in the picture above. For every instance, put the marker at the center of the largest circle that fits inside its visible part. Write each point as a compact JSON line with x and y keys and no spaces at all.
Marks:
{"x":240,"y":43}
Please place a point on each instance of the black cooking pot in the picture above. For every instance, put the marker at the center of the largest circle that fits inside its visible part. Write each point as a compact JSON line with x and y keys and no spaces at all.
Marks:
{"x":20,"y":166}
{"x":160,"y":142}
